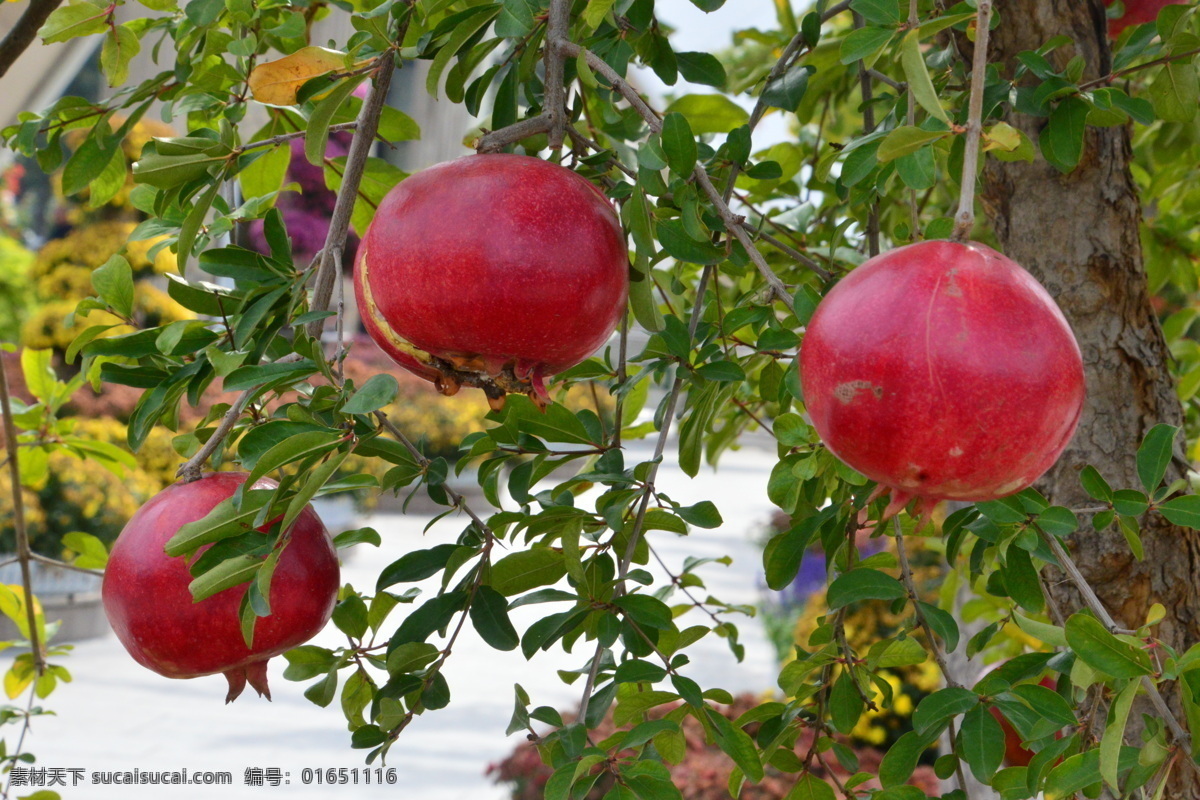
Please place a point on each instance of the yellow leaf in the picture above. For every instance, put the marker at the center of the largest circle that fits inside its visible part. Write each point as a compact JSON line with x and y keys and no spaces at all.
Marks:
{"x":14,"y":684}
{"x":276,"y":83}
{"x":12,"y":605}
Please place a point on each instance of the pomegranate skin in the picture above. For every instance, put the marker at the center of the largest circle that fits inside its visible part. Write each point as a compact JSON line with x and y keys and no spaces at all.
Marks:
{"x":1137,"y":12}
{"x":145,"y":591}
{"x":942,"y":371}
{"x":494,"y":264}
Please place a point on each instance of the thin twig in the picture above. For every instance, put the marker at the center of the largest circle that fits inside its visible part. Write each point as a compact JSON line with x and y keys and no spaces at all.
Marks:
{"x":635,"y":533}
{"x":910,"y":586}
{"x":24,"y":554}
{"x":54,"y":562}
{"x":868,"y":113}
{"x":356,"y":160}
{"x":495,"y":141}
{"x":965,"y":220}
{"x":287,"y":137}
{"x":1093,"y":602}
{"x":1112,"y":76}
{"x":190,"y":470}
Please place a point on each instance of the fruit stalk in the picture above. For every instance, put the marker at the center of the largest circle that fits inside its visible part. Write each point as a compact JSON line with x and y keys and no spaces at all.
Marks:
{"x":965,"y":219}
{"x":24,"y":555}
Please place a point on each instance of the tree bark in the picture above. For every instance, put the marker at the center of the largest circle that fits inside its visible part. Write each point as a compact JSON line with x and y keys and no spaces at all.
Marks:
{"x":1079,"y":235}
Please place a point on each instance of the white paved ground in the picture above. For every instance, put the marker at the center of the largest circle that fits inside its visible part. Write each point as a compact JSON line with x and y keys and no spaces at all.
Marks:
{"x":117,"y":716}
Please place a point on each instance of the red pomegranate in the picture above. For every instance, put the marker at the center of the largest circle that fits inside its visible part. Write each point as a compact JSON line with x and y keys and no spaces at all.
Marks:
{"x":1137,"y":12}
{"x":495,"y":271}
{"x":942,"y":371}
{"x":146,"y":598}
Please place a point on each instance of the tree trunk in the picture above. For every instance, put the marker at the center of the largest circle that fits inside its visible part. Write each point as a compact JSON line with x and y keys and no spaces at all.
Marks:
{"x":1078,"y":234}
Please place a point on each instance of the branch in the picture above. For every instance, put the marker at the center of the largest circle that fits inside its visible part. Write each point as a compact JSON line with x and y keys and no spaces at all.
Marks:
{"x":910,"y":586}
{"x":495,"y":141}
{"x":868,"y":112}
{"x":339,"y":225}
{"x":285,"y":137}
{"x":558,"y":27}
{"x":733,"y":222}
{"x":660,"y":447}
{"x":1112,"y":76}
{"x":24,"y":32}
{"x":24,"y":555}
{"x":1092,"y":601}
{"x":965,"y":220}
{"x":191,"y":469}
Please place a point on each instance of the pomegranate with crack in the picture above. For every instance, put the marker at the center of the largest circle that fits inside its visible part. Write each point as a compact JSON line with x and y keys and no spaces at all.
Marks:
{"x":146,"y":597}
{"x":942,"y":371}
{"x":494,"y":271}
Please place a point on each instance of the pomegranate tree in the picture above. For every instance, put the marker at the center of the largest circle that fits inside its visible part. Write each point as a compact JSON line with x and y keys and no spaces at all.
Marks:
{"x":494,"y":271}
{"x":942,"y":371}
{"x":146,"y":597}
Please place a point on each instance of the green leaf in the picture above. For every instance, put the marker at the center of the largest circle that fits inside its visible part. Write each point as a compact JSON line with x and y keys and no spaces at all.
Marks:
{"x":411,"y":657}
{"x":1072,"y":775}
{"x":845,"y":703}
{"x":516,"y":19}
{"x":377,"y":392}
{"x":1114,"y":733}
{"x":72,"y":21}
{"x":982,"y":742}
{"x":415,"y":566}
{"x":596,"y":11}
{"x":863,"y":584}
{"x":1130,"y":503}
{"x":905,"y":140}
{"x":702,"y":68}
{"x":225,"y":575}
{"x":737,"y":744}
{"x":879,"y":12}
{"x":865,"y":44}
{"x":316,"y":136}
{"x":527,"y":569}
{"x":937,"y":709}
{"x":646,"y":611}
{"x":433,"y":615}
{"x":787,"y":91}
{"x":679,"y":245}
{"x":710,"y":113}
{"x":900,"y":760}
{"x":1154,"y":455}
{"x":92,"y":554}
{"x":942,"y":623}
{"x":810,"y":787}
{"x":1062,"y":138}
{"x":266,"y":173}
{"x":1095,"y":485}
{"x":223,"y":521}
{"x":1175,"y":92}
{"x":703,"y":515}
{"x":294,"y":448}
{"x":917,"y":76}
{"x":1184,"y":511}
{"x":120,"y":46}
{"x":259,"y":374}
{"x":678,"y":144}
{"x":1103,"y":651}
{"x":489,"y":615}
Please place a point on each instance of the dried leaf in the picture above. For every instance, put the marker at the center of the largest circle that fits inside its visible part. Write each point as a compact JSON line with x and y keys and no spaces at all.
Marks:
{"x":276,"y":83}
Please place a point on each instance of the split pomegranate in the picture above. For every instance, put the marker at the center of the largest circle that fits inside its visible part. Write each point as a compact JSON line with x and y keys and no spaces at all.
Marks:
{"x":1137,"y":12}
{"x":146,"y":597}
{"x":494,"y":271}
{"x":942,"y":371}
